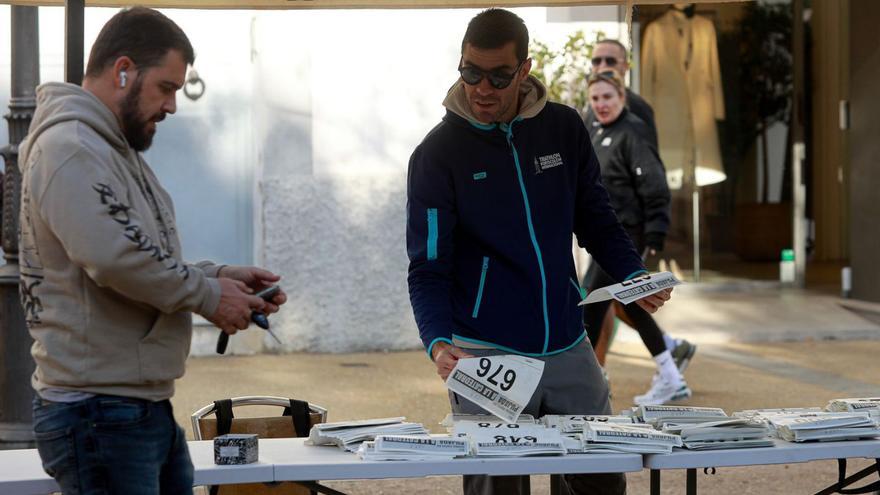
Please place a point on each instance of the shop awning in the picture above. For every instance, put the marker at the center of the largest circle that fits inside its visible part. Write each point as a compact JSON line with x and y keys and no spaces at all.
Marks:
{"x":344,"y":4}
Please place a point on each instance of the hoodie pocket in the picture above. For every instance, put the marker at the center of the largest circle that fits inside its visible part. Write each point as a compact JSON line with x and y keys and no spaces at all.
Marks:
{"x":163,"y":351}
{"x":482,"y":286}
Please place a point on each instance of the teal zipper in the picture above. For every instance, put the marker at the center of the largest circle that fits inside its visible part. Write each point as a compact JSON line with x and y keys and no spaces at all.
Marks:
{"x":509,"y":131}
{"x":482,"y":285}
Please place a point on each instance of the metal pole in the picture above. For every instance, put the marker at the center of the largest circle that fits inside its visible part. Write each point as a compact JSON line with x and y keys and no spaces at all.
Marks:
{"x":74,"y":44}
{"x":696,"y":210}
{"x":691,"y":482}
{"x":17,"y":365}
{"x":799,"y":150}
{"x":655,"y":482}
{"x":799,"y":208}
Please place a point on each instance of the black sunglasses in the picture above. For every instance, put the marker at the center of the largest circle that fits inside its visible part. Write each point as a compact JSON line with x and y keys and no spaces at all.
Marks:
{"x":609,"y":61}
{"x":497,"y":77}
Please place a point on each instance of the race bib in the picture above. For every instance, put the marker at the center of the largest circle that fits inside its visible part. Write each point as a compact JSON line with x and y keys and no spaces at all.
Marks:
{"x":502,"y":385}
{"x":510,"y":439}
{"x":634,"y":289}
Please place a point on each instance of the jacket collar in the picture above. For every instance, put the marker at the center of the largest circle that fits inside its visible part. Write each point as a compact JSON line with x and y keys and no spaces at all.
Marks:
{"x":620,"y":118}
{"x":532,"y":99}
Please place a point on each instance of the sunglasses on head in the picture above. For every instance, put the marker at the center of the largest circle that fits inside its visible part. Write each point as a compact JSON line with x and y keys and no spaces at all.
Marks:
{"x":609,"y":61}
{"x":608,"y":76}
{"x":603,"y":75}
{"x":498,"y":78}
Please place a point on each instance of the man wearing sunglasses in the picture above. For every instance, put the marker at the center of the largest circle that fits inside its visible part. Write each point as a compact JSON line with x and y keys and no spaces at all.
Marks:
{"x":494,"y":193}
{"x":610,"y":55}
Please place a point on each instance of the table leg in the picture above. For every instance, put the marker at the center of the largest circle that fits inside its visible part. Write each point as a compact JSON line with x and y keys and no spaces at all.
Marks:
{"x":691,"y":482}
{"x":556,"y":485}
{"x":655,"y":482}
{"x":319,"y":488}
{"x":845,"y":481}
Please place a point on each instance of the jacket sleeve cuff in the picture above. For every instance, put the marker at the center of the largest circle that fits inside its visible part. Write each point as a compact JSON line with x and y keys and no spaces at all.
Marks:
{"x":212,"y":297}
{"x":635,"y":274}
{"x":210,"y":268}
{"x":431,"y":345}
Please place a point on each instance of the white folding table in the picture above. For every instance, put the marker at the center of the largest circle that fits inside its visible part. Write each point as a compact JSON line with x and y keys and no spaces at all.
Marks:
{"x":21,"y":471}
{"x":288,"y":459}
{"x":781,"y":453}
{"x":295,"y":461}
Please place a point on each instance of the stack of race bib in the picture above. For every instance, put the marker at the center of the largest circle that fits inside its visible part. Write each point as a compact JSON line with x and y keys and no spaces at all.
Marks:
{"x":726,"y":434}
{"x":868,"y":404}
{"x":825,"y":426}
{"x":413,"y":448}
{"x":571,"y":426}
{"x":615,"y":437}
{"x":574,"y":423}
{"x":452,"y":418}
{"x":499,"y":439}
{"x":348,"y":435}
{"x":765,"y":414}
{"x":660,"y":415}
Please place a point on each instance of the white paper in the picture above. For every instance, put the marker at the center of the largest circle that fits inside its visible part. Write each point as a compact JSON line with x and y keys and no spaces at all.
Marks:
{"x":420,"y":445}
{"x":511,"y":439}
{"x":452,"y":418}
{"x":502,"y":385}
{"x":627,"y":434}
{"x":634,"y":289}
{"x":348,"y":435}
{"x":229,"y":451}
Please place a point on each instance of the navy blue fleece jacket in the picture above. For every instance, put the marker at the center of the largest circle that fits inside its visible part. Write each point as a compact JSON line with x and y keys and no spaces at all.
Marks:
{"x":490,"y":214}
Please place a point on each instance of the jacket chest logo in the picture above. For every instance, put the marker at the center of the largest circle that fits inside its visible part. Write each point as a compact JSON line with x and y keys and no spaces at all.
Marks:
{"x":546,"y":162}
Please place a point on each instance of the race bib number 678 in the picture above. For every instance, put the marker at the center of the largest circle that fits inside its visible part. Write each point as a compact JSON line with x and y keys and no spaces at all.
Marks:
{"x":502,"y":385}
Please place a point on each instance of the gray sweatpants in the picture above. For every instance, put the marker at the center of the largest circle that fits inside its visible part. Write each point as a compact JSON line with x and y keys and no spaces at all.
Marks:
{"x":572,"y":383}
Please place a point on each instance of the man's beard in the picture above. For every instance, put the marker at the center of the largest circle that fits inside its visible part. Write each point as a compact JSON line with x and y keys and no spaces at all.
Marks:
{"x":134,"y":125}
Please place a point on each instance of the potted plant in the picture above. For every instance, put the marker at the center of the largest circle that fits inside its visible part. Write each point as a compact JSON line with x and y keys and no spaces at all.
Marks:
{"x":763,"y":228}
{"x":564,"y":72}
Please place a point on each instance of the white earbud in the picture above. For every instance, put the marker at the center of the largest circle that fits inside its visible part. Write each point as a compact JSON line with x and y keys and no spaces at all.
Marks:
{"x":123,"y":79}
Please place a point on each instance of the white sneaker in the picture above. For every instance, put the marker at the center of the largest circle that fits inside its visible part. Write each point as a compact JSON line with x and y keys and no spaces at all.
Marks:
{"x":663,"y":391}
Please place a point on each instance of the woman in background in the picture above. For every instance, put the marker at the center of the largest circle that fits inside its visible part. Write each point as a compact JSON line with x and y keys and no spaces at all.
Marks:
{"x":636,"y":182}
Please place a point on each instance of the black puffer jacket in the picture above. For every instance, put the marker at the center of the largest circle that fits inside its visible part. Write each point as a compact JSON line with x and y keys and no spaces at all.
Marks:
{"x":633,"y":175}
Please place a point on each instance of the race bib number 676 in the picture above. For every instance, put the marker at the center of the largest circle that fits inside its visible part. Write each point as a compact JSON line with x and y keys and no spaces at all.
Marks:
{"x":502,"y":385}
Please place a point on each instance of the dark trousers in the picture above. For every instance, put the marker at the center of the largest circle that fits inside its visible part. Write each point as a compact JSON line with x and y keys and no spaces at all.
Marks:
{"x":650,"y":333}
{"x":113,"y":445}
{"x":572,"y":383}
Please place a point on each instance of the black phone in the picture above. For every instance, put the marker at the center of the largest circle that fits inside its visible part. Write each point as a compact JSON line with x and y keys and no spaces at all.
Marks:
{"x":260,"y":319}
{"x":269,"y":292}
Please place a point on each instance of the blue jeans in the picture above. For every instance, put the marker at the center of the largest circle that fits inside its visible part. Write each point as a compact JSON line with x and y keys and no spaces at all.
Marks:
{"x":113,"y":445}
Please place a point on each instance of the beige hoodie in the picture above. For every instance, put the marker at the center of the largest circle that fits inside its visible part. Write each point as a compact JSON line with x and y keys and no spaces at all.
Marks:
{"x":107,"y":297}
{"x":532,"y":99}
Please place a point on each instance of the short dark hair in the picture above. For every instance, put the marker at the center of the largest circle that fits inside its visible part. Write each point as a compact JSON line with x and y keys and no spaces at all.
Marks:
{"x":616,"y":43}
{"x":494,"y":28}
{"x":144,"y":35}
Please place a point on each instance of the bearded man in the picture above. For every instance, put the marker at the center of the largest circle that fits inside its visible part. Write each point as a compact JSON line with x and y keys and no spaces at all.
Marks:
{"x":108,"y":298}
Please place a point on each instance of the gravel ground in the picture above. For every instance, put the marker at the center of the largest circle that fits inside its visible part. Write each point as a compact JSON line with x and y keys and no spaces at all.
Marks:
{"x":733,"y":377}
